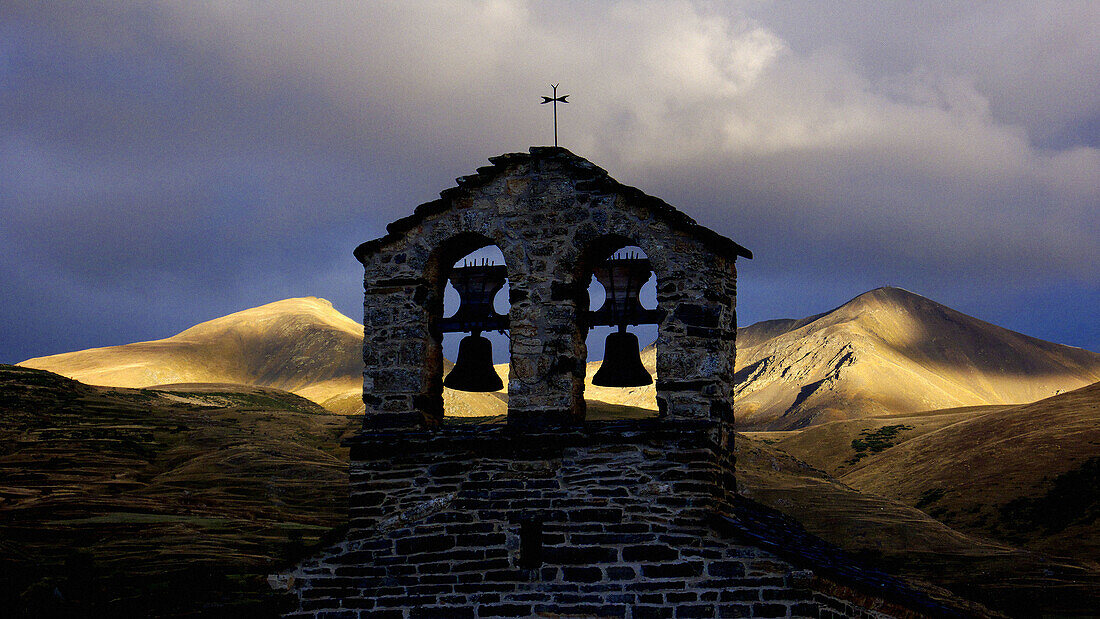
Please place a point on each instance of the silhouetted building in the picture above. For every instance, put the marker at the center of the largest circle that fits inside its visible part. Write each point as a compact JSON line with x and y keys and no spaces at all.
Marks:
{"x":550,"y":514}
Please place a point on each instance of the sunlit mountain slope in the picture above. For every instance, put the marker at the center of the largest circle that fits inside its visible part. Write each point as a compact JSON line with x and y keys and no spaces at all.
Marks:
{"x":299,"y":345}
{"x":885,"y":352}
{"x":892,"y":351}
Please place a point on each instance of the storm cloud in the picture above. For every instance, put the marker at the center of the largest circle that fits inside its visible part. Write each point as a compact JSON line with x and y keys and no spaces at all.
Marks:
{"x":163,"y":164}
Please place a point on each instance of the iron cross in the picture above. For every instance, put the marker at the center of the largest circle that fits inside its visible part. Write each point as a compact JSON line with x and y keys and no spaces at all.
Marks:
{"x":554,"y":100}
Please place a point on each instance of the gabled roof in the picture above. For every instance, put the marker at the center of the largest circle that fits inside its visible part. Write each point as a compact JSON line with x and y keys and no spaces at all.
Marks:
{"x":774,"y":531}
{"x":590,"y":178}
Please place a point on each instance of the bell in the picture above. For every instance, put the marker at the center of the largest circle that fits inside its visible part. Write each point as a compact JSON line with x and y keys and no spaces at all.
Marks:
{"x":473,"y":370}
{"x":622,"y":363}
{"x":622,"y":279}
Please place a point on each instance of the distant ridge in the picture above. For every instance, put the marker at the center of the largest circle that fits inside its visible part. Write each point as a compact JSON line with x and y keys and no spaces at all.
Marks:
{"x":886,"y":351}
{"x":301,"y":345}
{"x":892,"y":351}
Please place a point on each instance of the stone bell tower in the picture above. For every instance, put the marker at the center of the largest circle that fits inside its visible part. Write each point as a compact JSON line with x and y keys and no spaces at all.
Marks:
{"x":554,"y":217}
{"x":547,"y":514}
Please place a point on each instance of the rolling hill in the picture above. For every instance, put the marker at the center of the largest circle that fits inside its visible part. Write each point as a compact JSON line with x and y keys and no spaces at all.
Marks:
{"x":118,"y":502}
{"x":906,"y":540}
{"x":1028,"y":474}
{"x":178,"y":501}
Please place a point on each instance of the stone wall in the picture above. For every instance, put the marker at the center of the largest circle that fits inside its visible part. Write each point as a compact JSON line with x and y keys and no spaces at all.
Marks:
{"x":549,"y":515}
{"x":552,"y":214}
{"x":610,"y":521}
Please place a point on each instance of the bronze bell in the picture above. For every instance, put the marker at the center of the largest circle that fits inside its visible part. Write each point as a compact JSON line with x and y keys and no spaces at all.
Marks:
{"x":622,"y":362}
{"x":473,"y":371}
{"x":622,"y":278}
{"x":476,"y":285}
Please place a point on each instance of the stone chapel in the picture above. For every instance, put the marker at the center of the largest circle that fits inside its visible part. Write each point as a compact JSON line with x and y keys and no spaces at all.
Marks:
{"x":549,"y":514}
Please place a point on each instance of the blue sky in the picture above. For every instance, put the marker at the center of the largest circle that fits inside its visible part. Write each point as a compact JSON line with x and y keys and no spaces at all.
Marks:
{"x":164,"y":164}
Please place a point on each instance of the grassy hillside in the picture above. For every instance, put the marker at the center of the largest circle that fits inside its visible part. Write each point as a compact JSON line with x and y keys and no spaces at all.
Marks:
{"x":829,"y":446}
{"x":1028,"y":474}
{"x":175,"y":502}
{"x":909,"y":542}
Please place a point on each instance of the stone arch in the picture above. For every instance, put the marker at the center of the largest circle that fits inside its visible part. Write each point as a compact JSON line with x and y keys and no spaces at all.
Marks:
{"x":437,"y":270}
{"x":598,"y":249}
{"x":551,"y":214}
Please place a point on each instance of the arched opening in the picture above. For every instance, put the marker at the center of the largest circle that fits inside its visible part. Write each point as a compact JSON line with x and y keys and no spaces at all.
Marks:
{"x":627,"y":317}
{"x":472,"y":329}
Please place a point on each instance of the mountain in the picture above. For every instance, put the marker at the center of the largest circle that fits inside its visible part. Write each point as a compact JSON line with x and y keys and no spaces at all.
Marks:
{"x":299,"y":345}
{"x":890,"y":351}
{"x":303,"y":345}
{"x":885,"y":352}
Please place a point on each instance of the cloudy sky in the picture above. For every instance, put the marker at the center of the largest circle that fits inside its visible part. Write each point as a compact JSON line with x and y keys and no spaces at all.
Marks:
{"x":164,"y":164}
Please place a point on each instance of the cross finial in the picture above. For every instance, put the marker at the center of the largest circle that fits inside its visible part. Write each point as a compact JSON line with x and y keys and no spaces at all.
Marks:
{"x":554,"y":99}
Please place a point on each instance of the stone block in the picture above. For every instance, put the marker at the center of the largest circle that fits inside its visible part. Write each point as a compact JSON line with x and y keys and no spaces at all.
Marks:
{"x":652,"y":553}
{"x":621,"y":573}
{"x":596,"y":515}
{"x":580,"y":555}
{"x":726,"y":569}
{"x":582,"y":574}
{"x":687,"y":569}
{"x":694,"y":610}
{"x":652,"y":612}
{"x":504,"y":610}
{"x":735,"y":610}
{"x":423,"y":544}
{"x":769,"y":610}
{"x":583,"y":610}
{"x":804,"y":609}
{"x":442,"y":612}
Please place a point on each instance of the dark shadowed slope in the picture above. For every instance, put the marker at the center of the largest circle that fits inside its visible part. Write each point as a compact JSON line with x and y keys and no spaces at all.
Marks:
{"x":136,"y":503}
{"x":909,"y":542}
{"x":1028,"y":474}
{"x":178,"y":502}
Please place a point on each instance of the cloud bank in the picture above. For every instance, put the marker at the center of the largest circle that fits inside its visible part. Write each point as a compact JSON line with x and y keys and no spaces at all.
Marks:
{"x":167,"y":163}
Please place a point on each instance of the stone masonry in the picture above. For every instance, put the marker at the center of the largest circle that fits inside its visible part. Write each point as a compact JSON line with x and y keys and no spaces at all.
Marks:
{"x":621,"y":517}
{"x":553,"y":215}
{"x":548,"y":514}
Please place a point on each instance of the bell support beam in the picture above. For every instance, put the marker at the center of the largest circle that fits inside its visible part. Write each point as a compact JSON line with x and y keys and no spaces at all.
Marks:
{"x":477,"y":285}
{"x":604,"y":317}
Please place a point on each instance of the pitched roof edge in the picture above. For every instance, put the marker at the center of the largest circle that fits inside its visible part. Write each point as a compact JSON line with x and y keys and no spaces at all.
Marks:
{"x":777,"y":532}
{"x":589,"y":172}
